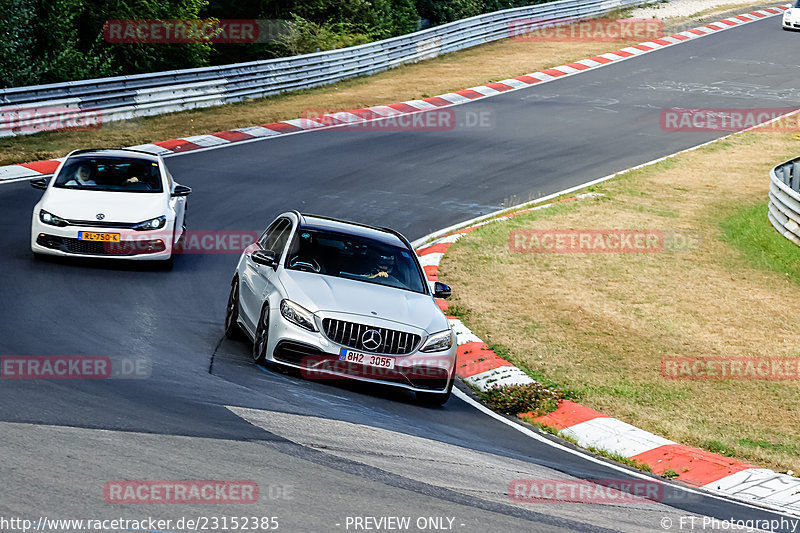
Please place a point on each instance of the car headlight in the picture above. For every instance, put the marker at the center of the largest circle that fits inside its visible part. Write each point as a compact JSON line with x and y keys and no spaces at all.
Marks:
{"x":438,"y":342}
{"x":51,"y":220}
{"x":298,"y":315}
{"x":154,"y":223}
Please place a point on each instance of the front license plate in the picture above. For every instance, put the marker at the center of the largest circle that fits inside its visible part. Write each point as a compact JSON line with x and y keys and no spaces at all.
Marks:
{"x":101,"y":237}
{"x":379,"y":361}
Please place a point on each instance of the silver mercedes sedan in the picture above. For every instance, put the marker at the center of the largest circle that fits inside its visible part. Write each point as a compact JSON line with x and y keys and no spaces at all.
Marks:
{"x":337,"y":299}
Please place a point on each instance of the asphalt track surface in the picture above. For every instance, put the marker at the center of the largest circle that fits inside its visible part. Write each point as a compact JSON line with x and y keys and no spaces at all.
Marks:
{"x":322,"y":452}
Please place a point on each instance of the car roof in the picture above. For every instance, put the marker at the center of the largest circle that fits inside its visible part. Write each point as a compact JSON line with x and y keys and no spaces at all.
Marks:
{"x":386,"y":236}
{"x":121,"y":153}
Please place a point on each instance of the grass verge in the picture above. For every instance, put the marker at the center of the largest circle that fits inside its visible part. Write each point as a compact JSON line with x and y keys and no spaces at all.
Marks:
{"x":725,"y":285}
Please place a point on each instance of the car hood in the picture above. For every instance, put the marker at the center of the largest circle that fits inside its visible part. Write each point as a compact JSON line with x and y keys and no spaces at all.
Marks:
{"x":116,"y":206}
{"x":329,"y":294}
{"x":792,"y":13}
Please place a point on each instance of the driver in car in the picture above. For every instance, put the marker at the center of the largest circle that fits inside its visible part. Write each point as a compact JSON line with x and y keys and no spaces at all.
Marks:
{"x":383,"y":268}
{"x":81,"y":177}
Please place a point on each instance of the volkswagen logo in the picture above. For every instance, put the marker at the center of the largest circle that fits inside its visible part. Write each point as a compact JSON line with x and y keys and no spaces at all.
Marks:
{"x":100,"y":216}
{"x":371,"y":339}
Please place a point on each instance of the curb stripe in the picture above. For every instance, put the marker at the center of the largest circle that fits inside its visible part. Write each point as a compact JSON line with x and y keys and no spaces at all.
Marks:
{"x":233,"y":135}
{"x":178,"y":145}
{"x":43,"y":167}
{"x":568,"y":414}
{"x":282,"y":127}
{"x":693,"y":466}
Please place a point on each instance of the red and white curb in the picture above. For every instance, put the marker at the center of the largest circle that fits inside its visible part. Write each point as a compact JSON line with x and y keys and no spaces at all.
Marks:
{"x":198,"y":142}
{"x":483,"y":369}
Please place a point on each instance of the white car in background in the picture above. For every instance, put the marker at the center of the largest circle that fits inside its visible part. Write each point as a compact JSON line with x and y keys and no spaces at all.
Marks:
{"x":791,"y":17}
{"x":120,"y":204}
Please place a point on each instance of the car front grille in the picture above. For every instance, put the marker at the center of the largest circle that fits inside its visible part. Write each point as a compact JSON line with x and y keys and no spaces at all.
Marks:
{"x":101,"y":224}
{"x":350,"y":334}
{"x":79,"y":247}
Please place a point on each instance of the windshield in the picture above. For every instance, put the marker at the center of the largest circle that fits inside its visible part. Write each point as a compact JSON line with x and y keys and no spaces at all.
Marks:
{"x":110,"y":174}
{"x":796,"y":3}
{"x":357,"y":258}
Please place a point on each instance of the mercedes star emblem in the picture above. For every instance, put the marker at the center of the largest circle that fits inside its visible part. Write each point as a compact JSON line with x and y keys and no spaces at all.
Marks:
{"x":371,"y":339}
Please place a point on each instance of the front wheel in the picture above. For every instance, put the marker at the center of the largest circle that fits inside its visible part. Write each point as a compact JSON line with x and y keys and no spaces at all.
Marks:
{"x":435,"y":399}
{"x":262,"y":337}
{"x":232,"y":330}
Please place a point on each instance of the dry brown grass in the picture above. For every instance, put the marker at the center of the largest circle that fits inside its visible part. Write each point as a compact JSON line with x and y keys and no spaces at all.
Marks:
{"x":601,"y":323}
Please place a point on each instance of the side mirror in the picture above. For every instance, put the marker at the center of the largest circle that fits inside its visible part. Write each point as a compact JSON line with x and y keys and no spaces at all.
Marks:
{"x":265,"y":257}
{"x":182,"y":190}
{"x":440,"y":290}
{"x":39,"y":183}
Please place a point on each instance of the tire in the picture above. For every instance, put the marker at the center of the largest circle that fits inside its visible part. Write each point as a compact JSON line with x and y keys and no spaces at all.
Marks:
{"x":232,"y":329}
{"x":262,"y":337}
{"x":435,"y":399}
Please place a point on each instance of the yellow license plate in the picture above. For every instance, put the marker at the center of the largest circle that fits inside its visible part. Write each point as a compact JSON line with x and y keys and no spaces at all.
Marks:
{"x":101,"y":237}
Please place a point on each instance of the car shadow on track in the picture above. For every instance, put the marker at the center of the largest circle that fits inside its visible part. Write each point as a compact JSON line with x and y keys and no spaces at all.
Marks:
{"x":232,"y":361}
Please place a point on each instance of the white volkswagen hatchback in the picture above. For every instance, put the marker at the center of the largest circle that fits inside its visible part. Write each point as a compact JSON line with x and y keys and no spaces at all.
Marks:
{"x":120,"y":204}
{"x":791,"y":17}
{"x":337,"y":299}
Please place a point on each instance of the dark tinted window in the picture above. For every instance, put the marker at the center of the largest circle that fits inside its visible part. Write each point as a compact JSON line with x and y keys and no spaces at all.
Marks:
{"x":110,"y":174}
{"x":357,"y":258}
{"x":276,"y":235}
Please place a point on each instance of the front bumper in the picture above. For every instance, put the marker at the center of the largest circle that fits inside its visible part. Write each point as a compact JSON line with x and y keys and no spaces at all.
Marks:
{"x":133,"y":245}
{"x":791,"y":21}
{"x":317,"y":357}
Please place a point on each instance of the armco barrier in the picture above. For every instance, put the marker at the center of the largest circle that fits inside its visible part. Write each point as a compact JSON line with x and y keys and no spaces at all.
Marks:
{"x":784,"y":199}
{"x":125,"y":97}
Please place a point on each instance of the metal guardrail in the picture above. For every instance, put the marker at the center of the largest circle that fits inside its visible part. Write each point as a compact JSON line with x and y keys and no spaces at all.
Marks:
{"x":784,"y":199}
{"x":125,"y":97}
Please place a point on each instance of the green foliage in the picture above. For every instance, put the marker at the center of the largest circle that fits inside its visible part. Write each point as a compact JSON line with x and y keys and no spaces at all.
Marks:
{"x":49,"y":41}
{"x":515,"y":399}
{"x":393,"y":18}
{"x":304,"y":36}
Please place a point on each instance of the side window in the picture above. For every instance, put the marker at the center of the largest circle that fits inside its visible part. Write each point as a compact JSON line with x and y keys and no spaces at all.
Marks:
{"x":282,"y":237}
{"x":275,"y":237}
{"x":264,"y":241}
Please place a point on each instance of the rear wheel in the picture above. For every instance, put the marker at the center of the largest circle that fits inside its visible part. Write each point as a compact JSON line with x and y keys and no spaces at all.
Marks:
{"x":232,"y":329}
{"x":262,"y":337}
